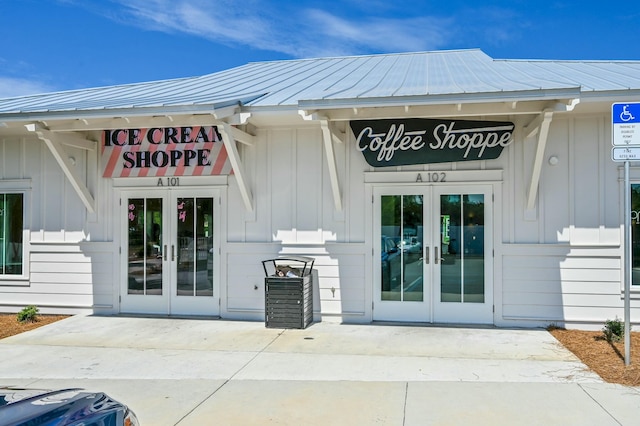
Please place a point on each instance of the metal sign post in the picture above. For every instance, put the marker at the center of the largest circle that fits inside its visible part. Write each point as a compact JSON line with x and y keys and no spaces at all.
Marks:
{"x":626,"y":142}
{"x":627,"y":265}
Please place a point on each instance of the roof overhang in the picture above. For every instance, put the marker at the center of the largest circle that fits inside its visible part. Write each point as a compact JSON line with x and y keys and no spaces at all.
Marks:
{"x":542,"y":107}
{"x":222,"y":109}
{"x":611,"y":96}
{"x":60,"y":128}
{"x":442,"y":99}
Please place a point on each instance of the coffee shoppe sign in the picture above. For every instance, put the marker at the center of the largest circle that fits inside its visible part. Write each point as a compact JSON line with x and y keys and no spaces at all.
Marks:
{"x":425,"y":141}
{"x":169,"y":151}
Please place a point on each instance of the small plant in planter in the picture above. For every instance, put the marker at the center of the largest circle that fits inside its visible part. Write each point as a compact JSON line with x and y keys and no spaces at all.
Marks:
{"x":28,"y":314}
{"x":613,"y":330}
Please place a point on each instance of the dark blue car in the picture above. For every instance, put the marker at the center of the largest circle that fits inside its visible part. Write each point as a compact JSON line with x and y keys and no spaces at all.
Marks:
{"x":391,"y":264}
{"x":65,"y":407}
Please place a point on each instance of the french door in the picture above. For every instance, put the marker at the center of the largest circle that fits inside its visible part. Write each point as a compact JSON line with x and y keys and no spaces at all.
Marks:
{"x":169,"y":252}
{"x":433,"y":260}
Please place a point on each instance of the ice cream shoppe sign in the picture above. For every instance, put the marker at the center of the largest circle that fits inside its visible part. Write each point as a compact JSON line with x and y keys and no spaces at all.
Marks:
{"x":169,"y":151}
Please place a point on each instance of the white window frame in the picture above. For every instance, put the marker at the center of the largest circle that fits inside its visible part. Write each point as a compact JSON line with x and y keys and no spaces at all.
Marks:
{"x":19,"y":186}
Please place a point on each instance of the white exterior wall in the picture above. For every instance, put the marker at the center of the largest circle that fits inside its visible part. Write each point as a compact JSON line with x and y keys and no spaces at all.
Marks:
{"x":558,"y":264}
{"x":69,"y":253}
{"x":563,"y":264}
{"x":294,"y":214}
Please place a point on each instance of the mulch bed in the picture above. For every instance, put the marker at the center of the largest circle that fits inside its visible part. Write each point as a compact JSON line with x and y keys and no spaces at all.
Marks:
{"x":9,"y":324}
{"x":604,"y":358}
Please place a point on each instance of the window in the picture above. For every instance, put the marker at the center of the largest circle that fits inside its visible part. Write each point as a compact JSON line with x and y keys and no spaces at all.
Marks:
{"x":11,"y":233}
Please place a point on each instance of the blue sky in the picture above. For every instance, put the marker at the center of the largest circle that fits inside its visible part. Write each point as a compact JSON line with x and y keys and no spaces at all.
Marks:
{"x":51,"y":45}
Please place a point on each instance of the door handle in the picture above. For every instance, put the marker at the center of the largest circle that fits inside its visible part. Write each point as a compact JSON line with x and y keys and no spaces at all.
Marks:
{"x":173,"y":252}
{"x":165,"y":252}
{"x":426,"y":255}
{"x":437,"y":255}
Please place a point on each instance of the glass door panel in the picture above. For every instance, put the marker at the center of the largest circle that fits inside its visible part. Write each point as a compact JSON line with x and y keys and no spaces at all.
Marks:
{"x":400,"y":270}
{"x":169,"y":239}
{"x":400,"y":260}
{"x":430,"y":254}
{"x":186,"y":247}
{"x":144,"y":272}
{"x":144,"y":231}
{"x":196,"y":247}
{"x":462,"y":269}
{"x":462,"y":243}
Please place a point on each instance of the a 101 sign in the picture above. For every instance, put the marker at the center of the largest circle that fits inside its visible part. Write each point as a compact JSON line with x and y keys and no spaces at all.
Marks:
{"x":625,"y":131}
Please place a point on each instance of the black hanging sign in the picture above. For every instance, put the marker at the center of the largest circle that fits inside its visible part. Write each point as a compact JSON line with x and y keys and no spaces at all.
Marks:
{"x":425,"y":141}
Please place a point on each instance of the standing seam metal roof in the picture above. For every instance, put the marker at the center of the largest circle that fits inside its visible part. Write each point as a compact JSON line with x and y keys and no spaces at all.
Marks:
{"x":359,"y":78}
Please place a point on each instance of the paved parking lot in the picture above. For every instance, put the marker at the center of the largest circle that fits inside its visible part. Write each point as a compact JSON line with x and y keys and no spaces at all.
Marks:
{"x":198,"y":371}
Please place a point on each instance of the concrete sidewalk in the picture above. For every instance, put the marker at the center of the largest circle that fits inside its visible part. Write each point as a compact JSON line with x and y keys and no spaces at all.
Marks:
{"x":200,"y":372}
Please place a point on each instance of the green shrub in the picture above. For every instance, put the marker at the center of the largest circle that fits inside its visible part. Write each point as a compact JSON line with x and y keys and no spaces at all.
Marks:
{"x":554,"y":326}
{"x":28,"y":314}
{"x":613,"y":330}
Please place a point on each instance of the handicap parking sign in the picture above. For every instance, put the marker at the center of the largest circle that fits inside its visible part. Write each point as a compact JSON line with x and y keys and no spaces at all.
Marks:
{"x":626,"y":123}
{"x":626,"y":113}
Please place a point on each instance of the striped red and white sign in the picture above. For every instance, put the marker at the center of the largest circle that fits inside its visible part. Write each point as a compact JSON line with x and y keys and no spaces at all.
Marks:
{"x":169,"y":151}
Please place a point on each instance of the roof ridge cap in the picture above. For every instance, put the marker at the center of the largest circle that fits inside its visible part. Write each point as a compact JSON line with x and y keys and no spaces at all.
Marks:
{"x":370,"y":55}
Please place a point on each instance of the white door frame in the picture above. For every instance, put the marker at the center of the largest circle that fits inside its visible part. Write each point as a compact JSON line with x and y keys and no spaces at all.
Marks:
{"x":464,"y":312}
{"x":169,"y":303}
{"x":387,"y":310}
{"x":433,"y":310}
{"x":139,"y":303}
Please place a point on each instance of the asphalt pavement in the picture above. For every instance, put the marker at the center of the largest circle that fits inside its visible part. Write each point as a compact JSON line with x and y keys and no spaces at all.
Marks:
{"x":173,"y":371}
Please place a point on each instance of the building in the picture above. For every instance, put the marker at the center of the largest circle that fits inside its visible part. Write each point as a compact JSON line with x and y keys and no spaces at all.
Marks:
{"x":435,"y":187}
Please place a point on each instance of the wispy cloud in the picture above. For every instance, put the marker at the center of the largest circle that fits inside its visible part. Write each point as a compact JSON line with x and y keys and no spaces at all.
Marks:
{"x":18,"y":78}
{"x":298,"y":31}
{"x":219,"y":20}
{"x":372,"y":34}
{"x":266,"y":25}
{"x":12,"y":87}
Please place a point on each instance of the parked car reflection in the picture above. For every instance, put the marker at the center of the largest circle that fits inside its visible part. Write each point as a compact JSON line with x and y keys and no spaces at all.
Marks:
{"x":391,"y":264}
{"x":62,"y":407}
{"x":411,"y":247}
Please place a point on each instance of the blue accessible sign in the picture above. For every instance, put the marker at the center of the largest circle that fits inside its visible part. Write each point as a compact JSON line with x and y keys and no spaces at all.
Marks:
{"x":626,"y":124}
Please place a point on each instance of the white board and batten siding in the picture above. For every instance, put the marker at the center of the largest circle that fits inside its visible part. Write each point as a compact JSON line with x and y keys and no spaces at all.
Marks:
{"x":563,"y":266}
{"x":560,"y":263}
{"x":294,"y":214}
{"x":339,"y":279}
{"x":293,"y":201}
{"x":65,"y":272}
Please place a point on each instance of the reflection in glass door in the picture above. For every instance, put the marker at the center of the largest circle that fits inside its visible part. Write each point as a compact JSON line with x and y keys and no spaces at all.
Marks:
{"x":144,"y":252}
{"x":193,"y":235}
{"x":195,"y":246}
{"x":400,"y":273}
{"x":462,"y":242}
{"x":463,"y":270}
{"x":430,"y":254}
{"x":170,"y":241}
